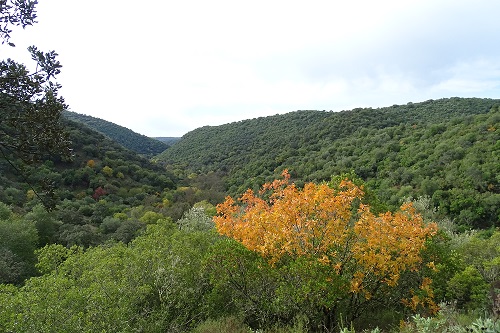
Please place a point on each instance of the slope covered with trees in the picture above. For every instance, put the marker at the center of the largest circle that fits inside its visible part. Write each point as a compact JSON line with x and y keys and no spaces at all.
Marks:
{"x":104,"y":193}
{"x":446,"y":149}
{"x":139,"y":143}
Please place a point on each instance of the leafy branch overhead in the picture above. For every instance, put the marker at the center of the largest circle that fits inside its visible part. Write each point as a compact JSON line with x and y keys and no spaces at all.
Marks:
{"x":30,"y":108}
{"x":30,"y":125}
{"x":15,"y":13}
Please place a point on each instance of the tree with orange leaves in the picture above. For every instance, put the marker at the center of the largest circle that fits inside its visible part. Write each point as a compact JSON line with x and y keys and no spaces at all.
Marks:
{"x":362,"y":256}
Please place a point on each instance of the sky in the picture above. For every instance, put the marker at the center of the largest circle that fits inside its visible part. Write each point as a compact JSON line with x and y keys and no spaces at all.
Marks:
{"x":164,"y":68}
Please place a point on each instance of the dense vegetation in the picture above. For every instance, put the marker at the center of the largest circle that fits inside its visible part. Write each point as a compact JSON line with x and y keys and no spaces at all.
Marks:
{"x":100,"y":239}
{"x":139,"y":143}
{"x":131,"y":246}
{"x":445,"y":149}
{"x":184,"y":276}
{"x":104,"y":193}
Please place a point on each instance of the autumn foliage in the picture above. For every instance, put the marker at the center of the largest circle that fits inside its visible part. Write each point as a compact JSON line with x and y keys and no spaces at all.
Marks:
{"x":332,"y":227}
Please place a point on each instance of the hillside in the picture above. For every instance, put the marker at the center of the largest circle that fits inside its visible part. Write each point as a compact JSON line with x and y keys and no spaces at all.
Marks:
{"x":139,"y":143}
{"x":447,"y":149}
{"x":168,"y":140}
{"x":103,"y":179}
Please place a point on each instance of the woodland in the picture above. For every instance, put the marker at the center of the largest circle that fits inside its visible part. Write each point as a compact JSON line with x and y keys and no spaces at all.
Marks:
{"x":365,"y":220}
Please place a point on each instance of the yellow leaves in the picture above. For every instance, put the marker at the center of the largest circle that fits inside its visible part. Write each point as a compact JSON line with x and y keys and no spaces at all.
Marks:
{"x":356,"y":282}
{"x":392,"y":280}
{"x":423,"y":299}
{"x":426,"y":285}
{"x":432,"y":266}
{"x":392,"y":242}
{"x":317,"y":222}
{"x":293,"y":221}
{"x":324,"y":260}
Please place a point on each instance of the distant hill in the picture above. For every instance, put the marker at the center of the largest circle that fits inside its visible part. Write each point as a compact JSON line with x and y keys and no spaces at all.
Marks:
{"x":446,"y":149}
{"x":139,"y":143}
{"x":168,"y":140}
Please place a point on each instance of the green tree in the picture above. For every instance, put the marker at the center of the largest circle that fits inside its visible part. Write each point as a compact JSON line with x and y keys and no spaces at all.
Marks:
{"x":468,"y":289}
{"x":107,"y":171}
{"x":154,"y":285}
{"x":30,"y":108}
{"x":17,"y":245}
{"x":46,"y":224}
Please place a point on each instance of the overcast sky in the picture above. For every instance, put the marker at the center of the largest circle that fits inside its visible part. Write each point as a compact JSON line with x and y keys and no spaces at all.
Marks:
{"x":163,"y":68}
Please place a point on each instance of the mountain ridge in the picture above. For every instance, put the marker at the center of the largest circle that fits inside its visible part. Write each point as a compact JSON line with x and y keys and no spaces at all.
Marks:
{"x":137,"y":142}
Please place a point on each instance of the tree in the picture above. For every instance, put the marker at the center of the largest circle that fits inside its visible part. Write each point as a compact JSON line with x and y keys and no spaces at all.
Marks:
{"x":355,"y":257}
{"x":30,"y":108}
{"x":17,"y":245}
{"x":154,"y":284}
{"x":15,"y":13}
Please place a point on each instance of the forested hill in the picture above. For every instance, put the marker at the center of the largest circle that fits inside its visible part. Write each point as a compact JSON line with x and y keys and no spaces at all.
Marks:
{"x":446,"y":149}
{"x":168,"y":139}
{"x":103,"y":179}
{"x":139,"y":143}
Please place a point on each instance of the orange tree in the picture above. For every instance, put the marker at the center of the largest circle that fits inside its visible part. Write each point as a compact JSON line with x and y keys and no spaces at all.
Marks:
{"x":335,"y":254}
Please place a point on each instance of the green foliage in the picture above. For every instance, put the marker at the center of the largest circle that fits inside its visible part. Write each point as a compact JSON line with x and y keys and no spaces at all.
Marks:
{"x":5,"y":212}
{"x":46,"y":224}
{"x":153,"y":285}
{"x":30,"y":127}
{"x":172,"y":279}
{"x":84,"y":197}
{"x":17,"y":245}
{"x":196,"y":219}
{"x":50,"y":257}
{"x":118,"y":262}
{"x":445,"y":149}
{"x":242,"y":283}
{"x":482,"y":251}
{"x":468,"y":289}
{"x":30,"y":108}
{"x":138,"y":143}
{"x":223,"y":325}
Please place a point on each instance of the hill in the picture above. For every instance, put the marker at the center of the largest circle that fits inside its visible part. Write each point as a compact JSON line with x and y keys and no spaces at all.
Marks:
{"x":103,"y":179}
{"x":139,"y":143}
{"x":446,"y":149}
{"x":168,"y":140}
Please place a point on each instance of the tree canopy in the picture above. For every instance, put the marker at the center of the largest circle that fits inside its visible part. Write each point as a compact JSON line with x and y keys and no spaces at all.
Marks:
{"x":361,"y":256}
